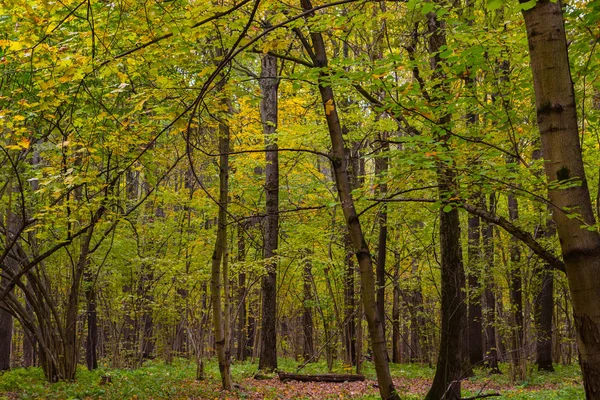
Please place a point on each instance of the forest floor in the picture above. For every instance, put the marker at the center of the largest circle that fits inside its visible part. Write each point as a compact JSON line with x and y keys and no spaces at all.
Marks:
{"x":157,"y":380}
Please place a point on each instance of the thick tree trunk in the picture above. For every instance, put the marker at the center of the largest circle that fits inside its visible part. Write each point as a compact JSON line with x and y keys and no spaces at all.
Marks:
{"x":269,"y":83}
{"x":557,"y":120}
{"x":363,"y":255}
{"x":6,"y":330}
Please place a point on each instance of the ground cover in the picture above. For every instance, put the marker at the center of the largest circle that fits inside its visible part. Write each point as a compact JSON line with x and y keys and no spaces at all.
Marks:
{"x":157,"y":380}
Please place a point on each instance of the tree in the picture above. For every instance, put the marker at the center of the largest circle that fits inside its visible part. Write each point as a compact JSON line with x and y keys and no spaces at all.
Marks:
{"x":361,"y":249}
{"x":269,"y":83}
{"x":568,"y":190}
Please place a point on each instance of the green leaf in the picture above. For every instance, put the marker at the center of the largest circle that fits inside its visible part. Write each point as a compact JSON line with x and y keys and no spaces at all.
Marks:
{"x":447,"y":208}
{"x":427,"y":7}
{"x":494,"y":4}
{"x":528,"y":5}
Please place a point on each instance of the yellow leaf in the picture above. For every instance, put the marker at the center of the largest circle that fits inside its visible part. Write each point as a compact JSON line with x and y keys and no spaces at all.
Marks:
{"x":24,"y":143}
{"x":329,"y":106}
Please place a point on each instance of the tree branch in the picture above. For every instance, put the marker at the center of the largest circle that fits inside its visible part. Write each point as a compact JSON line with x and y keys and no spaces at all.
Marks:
{"x":519,"y":233}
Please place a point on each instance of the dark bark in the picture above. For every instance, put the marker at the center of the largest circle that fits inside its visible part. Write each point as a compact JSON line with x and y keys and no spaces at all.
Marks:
{"x":359,"y":245}
{"x":396,"y":334}
{"x":543,"y":306}
{"x":6,"y":330}
{"x":449,"y":371}
{"x":269,"y":83}
{"x":29,"y":345}
{"x":381,"y":166}
{"x":416,"y":351}
{"x":473,"y":278}
{"x":307,"y":319}
{"x":349,"y":306}
{"x":244,"y":348}
{"x":516,"y":290}
{"x":91,"y":349}
{"x":336,"y":378}
{"x":543,"y":312}
{"x":491,"y":347}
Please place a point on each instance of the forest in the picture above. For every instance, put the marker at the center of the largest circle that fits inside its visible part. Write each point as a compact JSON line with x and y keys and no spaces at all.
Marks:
{"x":222,"y":199}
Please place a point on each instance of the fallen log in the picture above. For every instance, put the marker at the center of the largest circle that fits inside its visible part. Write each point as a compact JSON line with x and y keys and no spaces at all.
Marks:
{"x":320,"y":378}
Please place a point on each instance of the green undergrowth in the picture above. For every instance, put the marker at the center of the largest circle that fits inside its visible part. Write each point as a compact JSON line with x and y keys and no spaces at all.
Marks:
{"x":157,"y":380}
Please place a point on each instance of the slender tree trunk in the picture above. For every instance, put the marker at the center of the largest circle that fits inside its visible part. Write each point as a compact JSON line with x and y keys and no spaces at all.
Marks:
{"x":491,"y":347}
{"x":242,"y":350}
{"x":396,"y":334}
{"x":543,"y":306}
{"x":6,"y":319}
{"x":349,"y":305}
{"x":516,"y":294}
{"x":217,"y":258}
{"x":269,"y":84}
{"x":307,"y":319}
{"x":475,"y":314}
{"x":416,"y":351}
{"x":381,"y":166}
{"x":449,"y":372}
{"x":543,"y":313}
{"x":8,"y":268}
{"x":29,"y":352}
{"x":340,"y":168}
{"x":91,"y":349}
{"x":557,"y":120}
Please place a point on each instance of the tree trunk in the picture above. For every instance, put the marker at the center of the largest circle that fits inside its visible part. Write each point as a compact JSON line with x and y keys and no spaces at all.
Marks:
{"x":243,"y":345}
{"x":269,"y":83}
{"x":6,"y":330}
{"x":29,"y":352}
{"x":543,"y":312}
{"x":91,"y":344}
{"x":349,"y":305}
{"x":416,"y":351}
{"x":340,"y":168}
{"x":307,"y":319}
{"x":396,"y":334}
{"x":217,"y":258}
{"x":475,"y":314}
{"x":557,"y":120}
{"x":516,"y":294}
{"x":381,"y":167}
{"x":543,"y":307}
{"x":491,"y":347}
{"x":449,"y":371}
